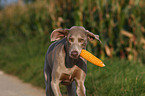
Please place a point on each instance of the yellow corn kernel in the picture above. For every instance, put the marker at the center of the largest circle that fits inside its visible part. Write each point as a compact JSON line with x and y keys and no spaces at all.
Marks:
{"x":91,"y":58}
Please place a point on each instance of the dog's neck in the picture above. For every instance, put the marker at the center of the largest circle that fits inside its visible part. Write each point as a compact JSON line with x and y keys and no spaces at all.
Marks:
{"x":69,"y":62}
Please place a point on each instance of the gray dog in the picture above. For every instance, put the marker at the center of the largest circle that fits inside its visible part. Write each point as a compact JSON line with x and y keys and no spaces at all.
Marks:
{"x":63,"y":63}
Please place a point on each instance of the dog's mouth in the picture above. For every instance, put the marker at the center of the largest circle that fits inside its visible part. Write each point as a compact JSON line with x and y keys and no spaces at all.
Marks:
{"x":74,"y":54}
{"x":76,"y":57}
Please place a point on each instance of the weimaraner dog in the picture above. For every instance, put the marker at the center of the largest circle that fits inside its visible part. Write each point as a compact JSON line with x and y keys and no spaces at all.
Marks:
{"x":63,"y":63}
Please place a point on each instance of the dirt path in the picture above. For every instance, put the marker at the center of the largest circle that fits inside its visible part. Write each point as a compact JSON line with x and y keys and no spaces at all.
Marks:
{"x":12,"y":86}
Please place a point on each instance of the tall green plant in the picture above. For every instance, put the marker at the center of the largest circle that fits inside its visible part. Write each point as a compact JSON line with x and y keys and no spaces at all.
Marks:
{"x":120,"y":24}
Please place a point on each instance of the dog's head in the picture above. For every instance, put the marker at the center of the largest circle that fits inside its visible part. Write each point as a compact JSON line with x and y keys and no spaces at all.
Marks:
{"x":77,"y":38}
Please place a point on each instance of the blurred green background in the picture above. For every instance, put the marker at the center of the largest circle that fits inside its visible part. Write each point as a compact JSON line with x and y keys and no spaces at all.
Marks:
{"x":26,"y":25}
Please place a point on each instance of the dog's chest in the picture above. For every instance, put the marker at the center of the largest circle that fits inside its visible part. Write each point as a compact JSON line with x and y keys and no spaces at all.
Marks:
{"x":69,"y":75}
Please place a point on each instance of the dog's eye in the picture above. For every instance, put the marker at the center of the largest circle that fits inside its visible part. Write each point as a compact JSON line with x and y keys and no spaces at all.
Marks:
{"x":71,"y":39}
{"x":80,"y":40}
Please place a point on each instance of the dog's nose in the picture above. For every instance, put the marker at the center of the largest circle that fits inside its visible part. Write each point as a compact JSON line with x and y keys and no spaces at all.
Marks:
{"x":74,"y":53}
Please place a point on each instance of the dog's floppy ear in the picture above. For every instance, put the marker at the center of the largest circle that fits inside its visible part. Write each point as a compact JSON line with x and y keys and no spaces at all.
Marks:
{"x":58,"y":34}
{"x":92,"y":36}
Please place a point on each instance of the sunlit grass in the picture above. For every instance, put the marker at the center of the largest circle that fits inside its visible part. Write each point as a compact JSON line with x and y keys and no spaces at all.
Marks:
{"x":117,"y":78}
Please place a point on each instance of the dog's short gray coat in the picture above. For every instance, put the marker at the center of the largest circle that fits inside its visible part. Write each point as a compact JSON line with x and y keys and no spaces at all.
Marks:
{"x":63,"y":63}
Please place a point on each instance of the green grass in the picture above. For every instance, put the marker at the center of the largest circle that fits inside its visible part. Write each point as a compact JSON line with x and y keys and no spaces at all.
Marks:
{"x":118,"y":78}
{"x":26,"y":60}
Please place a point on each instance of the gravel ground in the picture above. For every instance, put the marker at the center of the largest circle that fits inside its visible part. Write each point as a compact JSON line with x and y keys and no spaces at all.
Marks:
{"x":12,"y":86}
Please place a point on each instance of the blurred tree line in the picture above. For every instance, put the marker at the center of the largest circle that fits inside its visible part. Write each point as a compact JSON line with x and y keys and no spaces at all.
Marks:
{"x":120,"y":23}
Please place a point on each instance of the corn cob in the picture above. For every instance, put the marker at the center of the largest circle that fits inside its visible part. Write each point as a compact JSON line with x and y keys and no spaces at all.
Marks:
{"x":91,"y":58}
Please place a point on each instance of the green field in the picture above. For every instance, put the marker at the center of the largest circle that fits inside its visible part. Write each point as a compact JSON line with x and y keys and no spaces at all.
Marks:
{"x":25,"y":30}
{"x":118,"y":78}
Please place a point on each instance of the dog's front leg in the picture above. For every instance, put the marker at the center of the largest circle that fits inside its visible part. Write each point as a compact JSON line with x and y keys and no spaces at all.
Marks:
{"x":55,"y":83}
{"x":55,"y":87}
{"x":81,"y":91}
{"x":80,"y":79}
